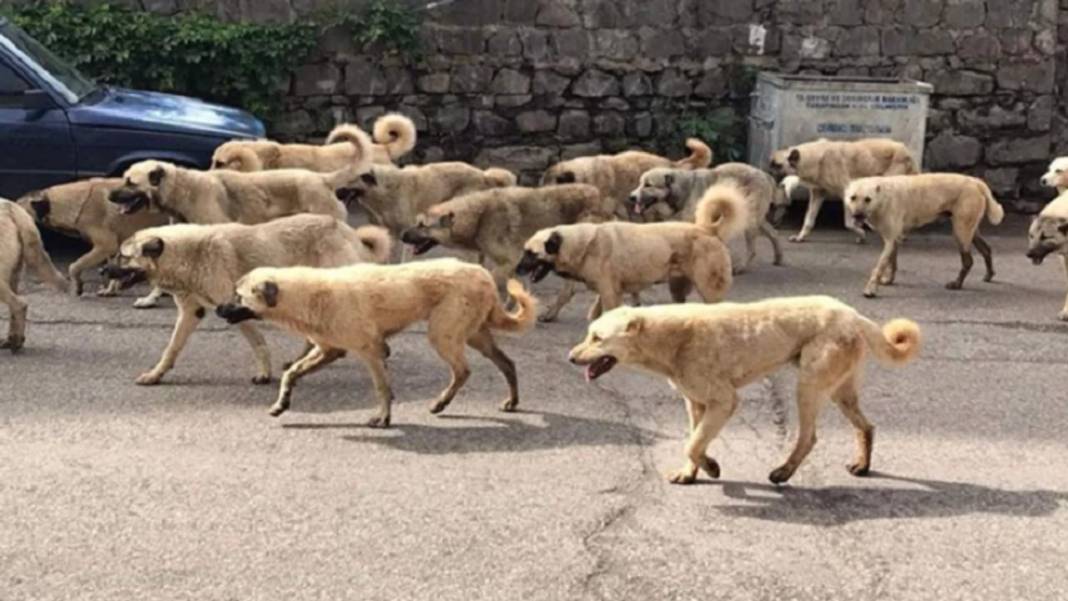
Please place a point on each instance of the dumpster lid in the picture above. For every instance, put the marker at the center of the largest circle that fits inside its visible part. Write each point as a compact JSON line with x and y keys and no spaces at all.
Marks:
{"x":848,"y":82}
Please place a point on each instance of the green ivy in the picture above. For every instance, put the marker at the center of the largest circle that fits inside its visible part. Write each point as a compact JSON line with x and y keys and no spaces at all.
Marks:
{"x":722,"y":129}
{"x":388,"y":24}
{"x":233,"y":63}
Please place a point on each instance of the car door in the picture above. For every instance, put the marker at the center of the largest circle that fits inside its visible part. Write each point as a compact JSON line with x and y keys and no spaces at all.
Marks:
{"x":36,"y":147}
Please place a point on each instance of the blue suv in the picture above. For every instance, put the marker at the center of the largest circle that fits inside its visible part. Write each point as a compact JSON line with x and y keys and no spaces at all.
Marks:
{"x":56,"y":125}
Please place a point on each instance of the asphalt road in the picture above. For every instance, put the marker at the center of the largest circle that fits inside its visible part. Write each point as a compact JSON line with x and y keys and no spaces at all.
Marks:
{"x":189,"y":490}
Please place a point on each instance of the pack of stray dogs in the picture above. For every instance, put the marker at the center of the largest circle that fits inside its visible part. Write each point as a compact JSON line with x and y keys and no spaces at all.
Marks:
{"x":263,"y":236}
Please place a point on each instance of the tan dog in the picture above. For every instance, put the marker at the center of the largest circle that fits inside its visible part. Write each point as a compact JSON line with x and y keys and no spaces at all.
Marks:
{"x":619,"y":257}
{"x":1049,"y":234}
{"x":894,"y":205}
{"x":356,"y":309}
{"x":708,"y":352}
{"x":1057,"y":175}
{"x":496,"y":223}
{"x":20,"y":243}
{"x":616,"y":175}
{"x":200,"y":264}
{"x":230,"y":196}
{"x":673,"y":194}
{"x":826,"y":167}
{"x":394,"y":137}
{"x":394,"y":197}
{"x":82,"y":209}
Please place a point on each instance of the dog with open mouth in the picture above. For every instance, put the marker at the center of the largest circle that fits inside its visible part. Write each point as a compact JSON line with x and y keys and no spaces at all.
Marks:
{"x":617,"y":258}
{"x":355,"y":310}
{"x":200,"y":265}
{"x":1048,"y":235}
{"x":708,"y":352}
{"x":894,"y":205}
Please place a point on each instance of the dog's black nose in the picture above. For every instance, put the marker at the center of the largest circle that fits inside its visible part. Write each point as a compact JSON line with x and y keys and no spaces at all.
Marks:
{"x":573,"y":360}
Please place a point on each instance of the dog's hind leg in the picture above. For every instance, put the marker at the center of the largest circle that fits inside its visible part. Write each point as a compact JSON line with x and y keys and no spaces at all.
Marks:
{"x":988,"y":256}
{"x":446,"y":333}
{"x":567,"y":292}
{"x":1064,"y":311}
{"x":847,"y":399}
{"x":16,"y":335}
{"x":707,"y":424}
{"x":768,"y":231}
{"x":189,"y":315}
{"x":597,"y":308}
{"x":750,"y":252}
{"x":375,"y":360}
{"x":259,"y":351}
{"x":97,"y":255}
{"x":483,"y":343}
{"x":313,"y":361}
{"x":680,"y":288}
{"x":815,"y":202}
{"x":964,"y":231}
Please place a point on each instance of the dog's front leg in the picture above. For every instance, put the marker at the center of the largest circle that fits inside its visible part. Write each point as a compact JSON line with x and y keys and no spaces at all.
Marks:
{"x":889,"y":249}
{"x":259,"y":351}
{"x":1064,"y":312}
{"x":189,"y":315}
{"x":769,"y":232}
{"x":96,"y":256}
{"x":815,"y":202}
{"x":377,"y":366}
{"x":314,"y":360}
{"x":707,"y":419}
{"x":149,"y":300}
{"x":567,"y":292}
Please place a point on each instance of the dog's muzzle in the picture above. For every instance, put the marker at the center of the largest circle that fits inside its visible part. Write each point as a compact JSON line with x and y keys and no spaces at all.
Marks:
{"x":129,"y":201}
{"x":1038,"y":254}
{"x":348,"y":195}
{"x":534,"y":266}
{"x":234,"y":313}
{"x":421,"y":244}
{"x":126,"y":276}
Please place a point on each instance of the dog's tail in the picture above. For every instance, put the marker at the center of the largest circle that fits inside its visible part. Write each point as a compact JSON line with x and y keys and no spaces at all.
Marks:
{"x":499,"y":178}
{"x":723,"y":210}
{"x":700,"y":155}
{"x":377,"y":241}
{"x":995,"y":213}
{"x":521,"y":320}
{"x":242,"y":158}
{"x":897,"y":342}
{"x":397,"y":133}
{"x":33,"y":249}
{"x":351,"y":134}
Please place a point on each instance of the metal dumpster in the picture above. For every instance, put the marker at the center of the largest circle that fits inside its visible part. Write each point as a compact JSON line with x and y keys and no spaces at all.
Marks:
{"x":793,"y":109}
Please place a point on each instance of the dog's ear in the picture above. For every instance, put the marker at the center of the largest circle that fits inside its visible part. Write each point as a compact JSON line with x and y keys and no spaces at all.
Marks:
{"x":635,"y":325}
{"x":447,"y":220}
{"x":553,"y":243}
{"x":268,"y":291}
{"x":155,"y":177}
{"x":794,"y":158}
{"x":41,"y":207}
{"x":669,"y":179}
{"x":152,"y":249}
{"x":369,"y":178}
{"x":567,"y":177}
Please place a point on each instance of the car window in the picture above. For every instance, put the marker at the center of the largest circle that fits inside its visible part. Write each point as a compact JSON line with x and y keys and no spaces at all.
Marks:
{"x":11,"y":83}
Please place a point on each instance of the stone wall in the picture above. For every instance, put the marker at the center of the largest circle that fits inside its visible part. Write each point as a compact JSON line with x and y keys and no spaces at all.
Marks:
{"x":524,"y":83}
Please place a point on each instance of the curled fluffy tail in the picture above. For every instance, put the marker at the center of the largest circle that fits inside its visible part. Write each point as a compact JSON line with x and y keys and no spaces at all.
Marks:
{"x":723,"y":211}
{"x":897,"y":342}
{"x":700,"y":155}
{"x":33,"y":251}
{"x":242,"y":158}
{"x":994,"y":211}
{"x":352,"y":134}
{"x":397,"y":133}
{"x":522,"y":319}
{"x":500,"y":178}
{"x":377,"y":241}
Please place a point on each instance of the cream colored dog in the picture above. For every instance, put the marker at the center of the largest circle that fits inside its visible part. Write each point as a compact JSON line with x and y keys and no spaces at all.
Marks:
{"x":708,"y":352}
{"x":394,"y":137}
{"x":673,"y":194}
{"x":826,"y":167}
{"x":1049,"y":234}
{"x":619,"y":257}
{"x":224,"y":196}
{"x":1057,"y":175}
{"x":616,"y":175}
{"x":356,"y":309}
{"x":82,"y":209}
{"x":20,"y":243}
{"x":200,"y":264}
{"x":894,"y":205}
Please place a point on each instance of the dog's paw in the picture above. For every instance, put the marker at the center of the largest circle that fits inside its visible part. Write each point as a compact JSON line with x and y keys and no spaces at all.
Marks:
{"x":379,"y":421}
{"x":145,"y":303}
{"x":886,"y":280}
{"x":954,"y":285}
{"x":780,"y":475}
{"x":869,"y":293}
{"x":261,"y":379}
{"x":509,"y":405}
{"x":13,"y":344}
{"x":859,"y":469}
{"x":861,"y":240}
{"x":989,"y":277}
{"x":438,"y":406}
{"x":1063,"y":315}
{"x":148,"y":379}
{"x":105,"y":292}
{"x":547,"y":317}
{"x":278,"y":409}
{"x":684,"y":475}
{"x":711,"y":467}
{"x":78,"y":288}
{"x":796,"y":238}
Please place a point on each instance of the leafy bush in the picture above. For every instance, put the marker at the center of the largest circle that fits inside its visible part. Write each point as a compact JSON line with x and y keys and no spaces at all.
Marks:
{"x":722,"y":129}
{"x":387,"y":24}
{"x":234,"y":63}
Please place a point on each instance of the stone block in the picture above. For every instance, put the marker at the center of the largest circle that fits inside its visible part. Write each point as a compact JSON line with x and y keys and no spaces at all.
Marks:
{"x":595,"y":84}
{"x":535,"y":121}
{"x":574,"y":125}
{"x":1011,"y":151}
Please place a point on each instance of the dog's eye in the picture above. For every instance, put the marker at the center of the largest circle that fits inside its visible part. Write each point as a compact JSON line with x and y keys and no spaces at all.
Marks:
{"x":854,"y":198}
{"x":1058,"y":171}
{"x":595,"y":338}
{"x":1043,"y":236}
{"x":867,"y":199}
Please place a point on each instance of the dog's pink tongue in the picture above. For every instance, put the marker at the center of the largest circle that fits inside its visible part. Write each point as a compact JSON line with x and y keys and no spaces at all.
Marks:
{"x":589,"y":373}
{"x":637,"y":209}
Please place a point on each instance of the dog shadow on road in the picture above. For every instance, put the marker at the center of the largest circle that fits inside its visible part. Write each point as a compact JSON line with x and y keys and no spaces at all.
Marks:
{"x":497,"y":434}
{"x":839,"y":505}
